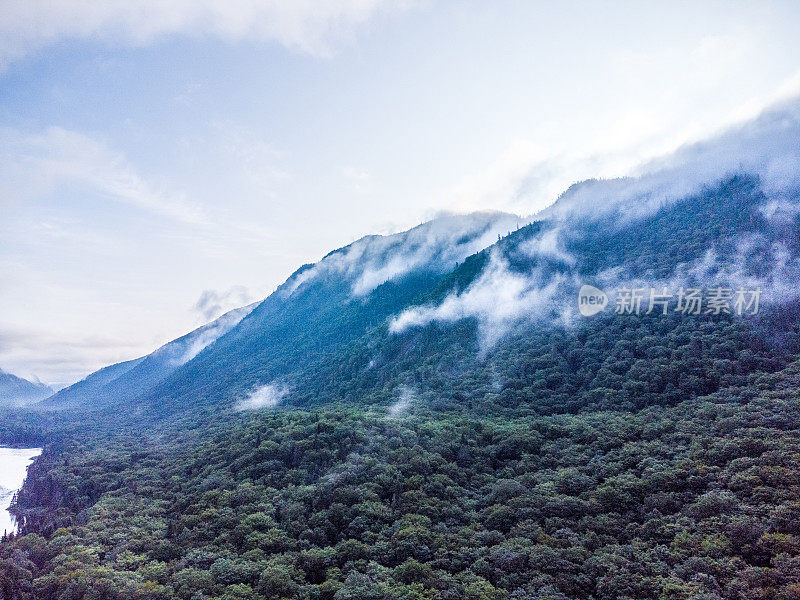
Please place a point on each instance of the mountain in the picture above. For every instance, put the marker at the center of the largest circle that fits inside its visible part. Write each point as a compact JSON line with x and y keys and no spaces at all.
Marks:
{"x":418,"y":310}
{"x":503,"y":329}
{"x":15,"y":391}
{"x":122,"y":381}
{"x":88,"y":389}
{"x":471,"y":331}
{"x":449,"y":298}
{"x":431,"y":415}
{"x":319,"y":307}
{"x":471,"y":297}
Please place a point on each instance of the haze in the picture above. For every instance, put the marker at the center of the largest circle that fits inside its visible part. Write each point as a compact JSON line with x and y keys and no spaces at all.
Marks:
{"x":162,"y":165}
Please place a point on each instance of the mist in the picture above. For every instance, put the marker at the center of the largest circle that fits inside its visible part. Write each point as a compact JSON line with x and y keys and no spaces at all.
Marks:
{"x":406,"y":397}
{"x":767,"y":148}
{"x":265,"y":396}
{"x":435,"y":245}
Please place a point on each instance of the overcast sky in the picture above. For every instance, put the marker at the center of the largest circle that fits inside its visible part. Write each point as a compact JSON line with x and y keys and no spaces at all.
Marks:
{"x":154,"y":152}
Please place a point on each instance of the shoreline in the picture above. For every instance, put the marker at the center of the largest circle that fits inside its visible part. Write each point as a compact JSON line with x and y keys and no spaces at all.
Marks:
{"x":14,"y":463}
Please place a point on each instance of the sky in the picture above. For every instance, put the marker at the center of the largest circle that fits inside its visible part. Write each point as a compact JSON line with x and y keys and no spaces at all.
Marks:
{"x":161,"y":162}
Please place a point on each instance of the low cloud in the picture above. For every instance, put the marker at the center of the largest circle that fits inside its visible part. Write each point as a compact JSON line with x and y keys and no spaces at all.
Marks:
{"x":498,"y":299}
{"x":436,"y":245}
{"x":549,"y":245}
{"x":182,"y":350}
{"x":213,"y":303}
{"x":766,"y":148}
{"x":756,"y":263}
{"x":406,"y":396}
{"x":265,"y":396}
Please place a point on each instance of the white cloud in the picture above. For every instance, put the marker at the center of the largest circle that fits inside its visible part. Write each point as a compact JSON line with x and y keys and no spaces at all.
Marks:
{"x":498,"y":299}
{"x":406,"y":397}
{"x":766,"y":146}
{"x":509,"y":178}
{"x":307,"y":26}
{"x":213,"y":303}
{"x":437,"y":244}
{"x":265,"y":396}
{"x":37,"y":164}
{"x":183,"y":350}
{"x":652,"y":118}
{"x":779,"y":269}
{"x":551,"y":245}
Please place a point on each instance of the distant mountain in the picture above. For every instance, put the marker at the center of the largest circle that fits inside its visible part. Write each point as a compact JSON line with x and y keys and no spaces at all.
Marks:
{"x":88,"y":389}
{"x":16,"y":391}
{"x":135,"y":377}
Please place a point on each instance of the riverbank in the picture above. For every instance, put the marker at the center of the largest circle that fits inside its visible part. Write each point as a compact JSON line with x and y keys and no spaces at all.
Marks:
{"x":13,"y":468}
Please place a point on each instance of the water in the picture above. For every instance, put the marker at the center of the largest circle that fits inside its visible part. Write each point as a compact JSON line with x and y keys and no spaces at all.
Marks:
{"x":13,"y":467}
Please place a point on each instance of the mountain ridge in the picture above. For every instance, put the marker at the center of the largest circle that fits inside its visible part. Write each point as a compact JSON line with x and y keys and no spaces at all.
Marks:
{"x":16,"y":391}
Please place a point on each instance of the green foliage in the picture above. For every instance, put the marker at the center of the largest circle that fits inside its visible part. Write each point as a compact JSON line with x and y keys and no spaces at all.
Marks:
{"x":696,"y":500}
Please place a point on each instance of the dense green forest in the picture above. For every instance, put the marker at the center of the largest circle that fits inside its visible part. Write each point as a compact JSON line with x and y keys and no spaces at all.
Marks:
{"x":695,"y":500}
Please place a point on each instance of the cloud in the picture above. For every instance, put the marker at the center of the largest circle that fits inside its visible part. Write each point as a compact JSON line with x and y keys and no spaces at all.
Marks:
{"x":305,"y":26}
{"x":766,"y":147}
{"x":265,"y":396}
{"x":406,"y":396}
{"x":436,"y":245}
{"x":549,"y":244}
{"x":56,"y":158}
{"x":499,"y":298}
{"x":213,"y":303}
{"x":524,"y":171}
{"x":530,"y":173}
{"x":756,"y":263}
{"x":182,"y":350}
{"x":60,"y":360}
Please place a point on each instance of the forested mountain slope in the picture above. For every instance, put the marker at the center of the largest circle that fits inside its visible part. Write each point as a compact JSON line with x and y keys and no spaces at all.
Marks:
{"x":428,"y":415}
{"x":450,"y":331}
{"x":469,"y":339}
{"x":696,"y":500}
{"x":16,"y":391}
{"x":542,"y":455}
{"x":111,"y":385}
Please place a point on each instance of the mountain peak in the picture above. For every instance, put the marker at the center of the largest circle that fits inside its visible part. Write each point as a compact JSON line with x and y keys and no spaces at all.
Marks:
{"x":16,"y":391}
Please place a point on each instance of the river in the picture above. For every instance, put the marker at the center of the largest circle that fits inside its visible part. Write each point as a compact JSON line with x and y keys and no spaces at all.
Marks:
{"x":13,"y":467}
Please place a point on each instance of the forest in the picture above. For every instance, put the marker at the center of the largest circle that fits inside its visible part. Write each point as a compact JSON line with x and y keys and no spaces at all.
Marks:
{"x":694,"y":498}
